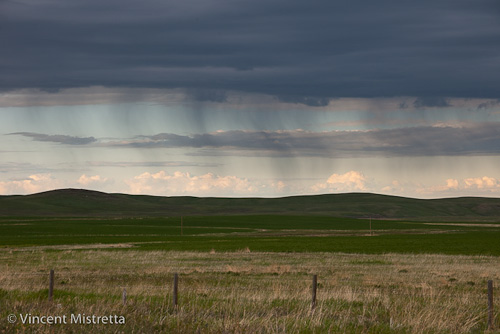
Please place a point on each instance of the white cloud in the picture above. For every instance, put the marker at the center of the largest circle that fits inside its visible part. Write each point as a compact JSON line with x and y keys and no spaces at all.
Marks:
{"x":451,"y":184}
{"x":43,"y":182}
{"x":485,"y":182}
{"x":85,"y":180}
{"x":350,"y":181}
{"x":181,"y":183}
{"x":32,"y":184}
{"x":279,"y":186}
{"x":469,"y":186}
{"x":395,"y":187}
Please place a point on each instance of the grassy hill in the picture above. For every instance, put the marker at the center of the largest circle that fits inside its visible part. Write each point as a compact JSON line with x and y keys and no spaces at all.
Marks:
{"x":85,"y":203}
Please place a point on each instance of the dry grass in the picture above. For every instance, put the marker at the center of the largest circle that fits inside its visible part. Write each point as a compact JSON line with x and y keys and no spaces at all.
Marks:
{"x":247,"y":292}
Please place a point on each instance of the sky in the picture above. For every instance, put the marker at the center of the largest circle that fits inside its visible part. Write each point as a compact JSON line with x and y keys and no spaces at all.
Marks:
{"x":251,"y":98}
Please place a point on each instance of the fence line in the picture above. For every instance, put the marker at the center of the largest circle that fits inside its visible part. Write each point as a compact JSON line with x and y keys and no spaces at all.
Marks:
{"x":314,"y":288}
{"x":276,"y":281}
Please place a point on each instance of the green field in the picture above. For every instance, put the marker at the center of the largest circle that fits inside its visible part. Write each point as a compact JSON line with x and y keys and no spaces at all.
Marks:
{"x":265,"y":233}
{"x":323,"y":223}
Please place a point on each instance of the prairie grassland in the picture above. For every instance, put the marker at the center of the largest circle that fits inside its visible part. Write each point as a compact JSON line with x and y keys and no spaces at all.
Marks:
{"x":249,"y":292}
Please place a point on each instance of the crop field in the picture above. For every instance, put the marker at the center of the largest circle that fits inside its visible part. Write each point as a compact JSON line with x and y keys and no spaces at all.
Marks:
{"x":249,"y":274}
{"x":264,"y":233}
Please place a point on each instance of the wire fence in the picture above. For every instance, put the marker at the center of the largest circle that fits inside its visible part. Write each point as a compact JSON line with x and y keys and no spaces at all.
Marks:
{"x":269,"y":287}
{"x":217,"y":282}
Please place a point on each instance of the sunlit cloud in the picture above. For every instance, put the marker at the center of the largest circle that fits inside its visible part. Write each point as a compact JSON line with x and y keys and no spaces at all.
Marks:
{"x":484,"y":183}
{"x":182,"y":183}
{"x":91,"y":181}
{"x":477,"y":186}
{"x":32,"y":184}
{"x":347,"y":182}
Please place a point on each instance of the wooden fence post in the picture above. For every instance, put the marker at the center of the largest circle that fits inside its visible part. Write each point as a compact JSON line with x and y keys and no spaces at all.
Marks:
{"x":51,"y":284}
{"x":491,"y":317}
{"x":314,"y":288}
{"x":124,"y":296}
{"x":176,"y":285}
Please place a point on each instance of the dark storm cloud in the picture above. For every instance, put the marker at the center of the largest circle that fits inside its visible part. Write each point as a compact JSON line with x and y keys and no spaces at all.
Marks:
{"x":432,"y":101}
{"x":305,"y":51}
{"x":204,"y":95}
{"x":61,"y":139}
{"x":479,"y":139}
{"x":307,"y":100}
{"x":488,"y":104}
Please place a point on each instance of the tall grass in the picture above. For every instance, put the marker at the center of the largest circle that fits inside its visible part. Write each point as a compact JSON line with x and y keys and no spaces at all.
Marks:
{"x":247,"y":292}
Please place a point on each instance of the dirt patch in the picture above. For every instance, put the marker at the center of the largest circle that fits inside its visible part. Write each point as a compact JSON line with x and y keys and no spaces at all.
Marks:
{"x":70,"y":247}
{"x":464,"y":224}
{"x":14,"y":224}
{"x":328,"y":233}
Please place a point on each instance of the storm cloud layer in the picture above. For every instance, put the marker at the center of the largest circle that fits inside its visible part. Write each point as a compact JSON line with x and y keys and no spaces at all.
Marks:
{"x":473,"y":140}
{"x":481,"y":139}
{"x":61,"y":139}
{"x":301,"y":52}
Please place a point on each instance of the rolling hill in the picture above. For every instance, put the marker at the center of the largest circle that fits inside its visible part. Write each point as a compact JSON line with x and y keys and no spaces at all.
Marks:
{"x":86,"y":203}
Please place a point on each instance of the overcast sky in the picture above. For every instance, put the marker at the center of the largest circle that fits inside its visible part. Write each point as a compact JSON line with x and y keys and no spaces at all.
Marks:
{"x":251,"y":98}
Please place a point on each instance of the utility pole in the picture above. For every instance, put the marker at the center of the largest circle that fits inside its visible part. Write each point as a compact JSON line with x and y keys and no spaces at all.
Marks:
{"x":371,"y":232}
{"x":182,"y":226}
